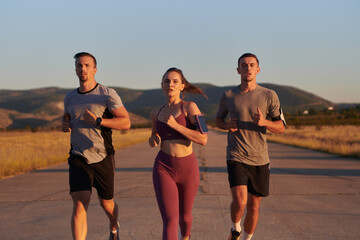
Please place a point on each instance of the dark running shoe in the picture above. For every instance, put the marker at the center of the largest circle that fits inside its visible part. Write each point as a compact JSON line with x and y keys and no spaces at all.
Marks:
{"x":234,"y":235}
{"x":115,"y":236}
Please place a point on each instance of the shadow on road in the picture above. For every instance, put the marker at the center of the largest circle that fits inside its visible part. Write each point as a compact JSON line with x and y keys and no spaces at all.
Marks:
{"x":276,"y":171}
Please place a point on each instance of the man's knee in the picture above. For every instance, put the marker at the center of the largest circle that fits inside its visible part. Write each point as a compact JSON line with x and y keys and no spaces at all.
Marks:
{"x":239,"y":203}
{"x":107,"y":204}
{"x":240,"y":199}
{"x":81,"y":199}
{"x":253,"y":204}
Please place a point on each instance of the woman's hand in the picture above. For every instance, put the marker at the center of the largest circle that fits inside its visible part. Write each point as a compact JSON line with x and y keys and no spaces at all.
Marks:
{"x":170,"y":120}
{"x":154,"y":140}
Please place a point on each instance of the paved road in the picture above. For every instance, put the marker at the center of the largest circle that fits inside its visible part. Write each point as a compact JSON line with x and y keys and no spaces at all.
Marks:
{"x":313,"y":196}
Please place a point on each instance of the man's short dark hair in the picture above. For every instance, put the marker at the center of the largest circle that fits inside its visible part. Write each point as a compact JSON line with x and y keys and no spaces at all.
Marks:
{"x":83,"y":54}
{"x":248,"y":55}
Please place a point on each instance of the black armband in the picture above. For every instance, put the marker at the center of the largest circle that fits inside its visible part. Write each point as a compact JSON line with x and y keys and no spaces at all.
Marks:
{"x":280,"y":117}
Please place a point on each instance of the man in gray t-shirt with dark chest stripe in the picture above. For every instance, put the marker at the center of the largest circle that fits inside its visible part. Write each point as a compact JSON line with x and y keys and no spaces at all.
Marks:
{"x":252,"y":111}
{"x":90,"y":112}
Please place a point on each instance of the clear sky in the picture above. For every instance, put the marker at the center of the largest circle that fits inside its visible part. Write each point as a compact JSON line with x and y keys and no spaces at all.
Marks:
{"x":313,"y":45}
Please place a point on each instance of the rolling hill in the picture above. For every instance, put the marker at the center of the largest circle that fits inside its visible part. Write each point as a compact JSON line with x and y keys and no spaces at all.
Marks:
{"x":44,"y":107}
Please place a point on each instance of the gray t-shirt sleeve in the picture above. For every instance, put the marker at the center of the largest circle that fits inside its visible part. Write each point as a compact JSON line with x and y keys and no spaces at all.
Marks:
{"x":275,"y":111}
{"x":113,"y":100}
{"x":274,"y":105}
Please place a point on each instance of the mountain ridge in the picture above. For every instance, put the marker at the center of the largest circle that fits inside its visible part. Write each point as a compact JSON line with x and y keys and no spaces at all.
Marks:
{"x":43,"y":107}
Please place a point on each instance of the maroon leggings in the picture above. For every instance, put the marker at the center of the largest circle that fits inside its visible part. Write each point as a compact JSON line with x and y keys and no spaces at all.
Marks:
{"x":176,"y":180}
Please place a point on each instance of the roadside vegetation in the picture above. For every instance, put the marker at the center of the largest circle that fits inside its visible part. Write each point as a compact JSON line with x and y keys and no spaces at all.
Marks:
{"x":23,"y":151}
{"x":335,"y":131}
{"x":339,"y":139}
{"x":325,"y":117}
{"x":329,"y":130}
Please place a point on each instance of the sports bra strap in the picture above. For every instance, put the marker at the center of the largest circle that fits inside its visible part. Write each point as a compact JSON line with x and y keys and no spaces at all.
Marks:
{"x":160,"y":111}
{"x":181,"y":107}
{"x":168,"y":133}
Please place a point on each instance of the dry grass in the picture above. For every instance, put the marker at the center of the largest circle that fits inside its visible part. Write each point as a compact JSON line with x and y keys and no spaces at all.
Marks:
{"x":342,"y":140}
{"x":131,"y":137}
{"x":24,"y":151}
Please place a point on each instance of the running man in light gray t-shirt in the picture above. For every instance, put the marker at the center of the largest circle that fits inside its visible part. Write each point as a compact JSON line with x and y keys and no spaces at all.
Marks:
{"x":252,"y":110}
{"x":90,"y":112}
{"x":248,"y":144}
{"x":93,"y":142}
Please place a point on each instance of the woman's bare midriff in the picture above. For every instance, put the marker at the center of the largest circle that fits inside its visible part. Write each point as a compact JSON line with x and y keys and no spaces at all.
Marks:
{"x":177,"y":147}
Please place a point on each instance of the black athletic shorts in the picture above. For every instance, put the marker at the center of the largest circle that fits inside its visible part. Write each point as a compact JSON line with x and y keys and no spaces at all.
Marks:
{"x":256,"y":178}
{"x":84,"y":176}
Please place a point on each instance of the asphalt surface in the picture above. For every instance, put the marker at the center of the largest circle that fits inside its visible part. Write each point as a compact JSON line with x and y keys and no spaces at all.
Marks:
{"x":313,"y":195}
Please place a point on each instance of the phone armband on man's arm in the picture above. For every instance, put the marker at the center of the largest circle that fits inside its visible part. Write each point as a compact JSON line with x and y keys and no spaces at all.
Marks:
{"x":280,"y":117}
{"x":201,"y":123}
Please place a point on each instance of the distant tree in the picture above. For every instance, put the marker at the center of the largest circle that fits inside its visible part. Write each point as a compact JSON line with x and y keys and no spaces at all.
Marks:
{"x":312,"y":111}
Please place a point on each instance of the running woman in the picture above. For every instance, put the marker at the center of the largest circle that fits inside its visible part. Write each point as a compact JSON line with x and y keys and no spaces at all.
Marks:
{"x":176,"y":171}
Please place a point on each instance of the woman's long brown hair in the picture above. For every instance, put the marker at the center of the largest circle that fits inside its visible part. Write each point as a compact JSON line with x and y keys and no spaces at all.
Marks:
{"x":189,"y":88}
